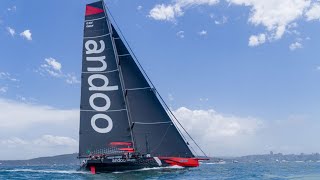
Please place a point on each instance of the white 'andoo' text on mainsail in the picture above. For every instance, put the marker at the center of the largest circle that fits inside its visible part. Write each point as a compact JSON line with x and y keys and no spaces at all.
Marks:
{"x":91,"y":49}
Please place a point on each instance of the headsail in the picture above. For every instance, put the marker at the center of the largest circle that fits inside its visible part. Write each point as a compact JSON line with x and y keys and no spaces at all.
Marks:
{"x":152,"y":128}
{"x":103,"y":116}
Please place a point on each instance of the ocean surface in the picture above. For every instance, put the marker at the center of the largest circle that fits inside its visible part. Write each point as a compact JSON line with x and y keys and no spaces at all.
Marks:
{"x":227,"y":171}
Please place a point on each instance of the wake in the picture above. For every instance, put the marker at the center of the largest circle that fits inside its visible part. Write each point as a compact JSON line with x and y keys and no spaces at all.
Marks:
{"x":46,"y":171}
{"x":54,"y":171}
{"x":151,"y":169}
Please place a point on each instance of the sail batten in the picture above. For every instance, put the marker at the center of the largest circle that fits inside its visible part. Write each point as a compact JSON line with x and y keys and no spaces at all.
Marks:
{"x":101,"y":72}
{"x":104,"y":111}
{"x":92,"y":37}
{"x":96,"y":19}
{"x":124,"y":55}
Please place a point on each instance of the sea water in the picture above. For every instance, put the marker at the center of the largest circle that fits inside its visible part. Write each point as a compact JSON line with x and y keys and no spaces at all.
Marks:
{"x":227,"y":171}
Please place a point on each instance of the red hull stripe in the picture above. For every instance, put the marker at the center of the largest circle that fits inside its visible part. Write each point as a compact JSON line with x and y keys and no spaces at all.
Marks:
{"x":184,"y":162}
{"x":92,"y":10}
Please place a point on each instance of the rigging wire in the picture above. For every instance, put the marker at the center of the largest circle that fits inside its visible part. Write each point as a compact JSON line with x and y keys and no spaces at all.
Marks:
{"x":120,"y":74}
{"x":161,"y":139}
{"x":144,"y":72}
{"x":182,"y":126}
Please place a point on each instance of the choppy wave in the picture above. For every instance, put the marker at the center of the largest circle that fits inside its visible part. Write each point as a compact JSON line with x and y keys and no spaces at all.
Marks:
{"x":153,"y":168}
{"x":214,"y":163}
{"x":288,"y":171}
{"x":45,"y":171}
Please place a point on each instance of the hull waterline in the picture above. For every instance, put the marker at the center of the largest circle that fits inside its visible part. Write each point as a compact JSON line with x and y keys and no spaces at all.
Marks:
{"x":105,"y":165}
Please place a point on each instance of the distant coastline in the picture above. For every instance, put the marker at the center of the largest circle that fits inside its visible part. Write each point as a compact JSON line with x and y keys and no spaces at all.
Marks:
{"x":65,"y":159}
{"x":71,"y":159}
{"x":272,"y":157}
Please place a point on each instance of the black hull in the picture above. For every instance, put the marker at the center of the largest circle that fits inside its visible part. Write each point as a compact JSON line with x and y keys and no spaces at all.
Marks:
{"x":117,"y":165}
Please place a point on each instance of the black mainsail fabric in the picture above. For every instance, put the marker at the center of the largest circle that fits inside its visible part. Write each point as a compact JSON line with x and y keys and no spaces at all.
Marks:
{"x":103,"y":116}
{"x":151,"y":123}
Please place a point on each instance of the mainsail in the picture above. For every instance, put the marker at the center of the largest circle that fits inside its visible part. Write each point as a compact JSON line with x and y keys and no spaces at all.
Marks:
{"x":103,"y":113}
{"x":117,"y":102}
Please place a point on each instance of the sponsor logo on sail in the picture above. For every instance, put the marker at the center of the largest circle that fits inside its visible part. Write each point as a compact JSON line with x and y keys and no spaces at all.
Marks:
{"x":92,"y":50}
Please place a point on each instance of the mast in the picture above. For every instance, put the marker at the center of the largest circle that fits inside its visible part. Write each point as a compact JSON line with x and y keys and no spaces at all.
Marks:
{"x":120,"y":74}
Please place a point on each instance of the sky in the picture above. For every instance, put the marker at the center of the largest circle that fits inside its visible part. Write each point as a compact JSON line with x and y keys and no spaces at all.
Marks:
{"x":242,"y":76}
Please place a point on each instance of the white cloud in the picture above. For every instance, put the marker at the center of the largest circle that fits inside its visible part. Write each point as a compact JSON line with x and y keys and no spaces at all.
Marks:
{"x":318,"y":68}
{"x":257,"y":40}
{"x":53,"y":63}
{"x":8,"y":76}
{"x":11,"y":31}
{"x":188,"y":3}
{"x":44,"y":140}
{"x":26,"y":34}
{"x":9,"y":80}
{"x":53,"y":68}
{"x":50,"y":140}
{"x":32,"y":115}
{"x":217,"y":133}
{"x":139,"y":8}
{"x":203,"y":33}
{"x":314,"y":12}
{"x":180,"y":34}
{"x":210,"y":124}
{"x":72,"y":79}
{"x":26,"y":99}
{"x":165,"y":13}
{"x":12,"y":142}
{"x":30,"y":123}
{"x":229,"y":135}
{"x":3,"y":90}
{"x":294,"y":46}
{"x":275,"y":15}
{"x":176,"y":8}
{"x":45,"y":145}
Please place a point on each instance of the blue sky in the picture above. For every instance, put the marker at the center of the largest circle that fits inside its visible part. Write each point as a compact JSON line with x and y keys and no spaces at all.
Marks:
{"x":248,"y":69}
